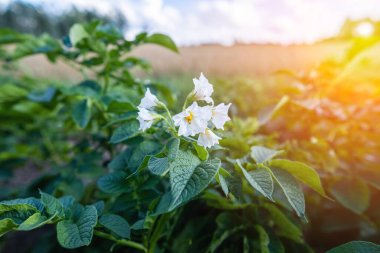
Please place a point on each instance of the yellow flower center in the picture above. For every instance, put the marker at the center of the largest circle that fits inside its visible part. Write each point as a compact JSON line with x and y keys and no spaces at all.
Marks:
{"x":189,"y":118}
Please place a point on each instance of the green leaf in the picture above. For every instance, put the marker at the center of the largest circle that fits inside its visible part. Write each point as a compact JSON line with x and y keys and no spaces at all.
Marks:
{"x":158,"y":165}
{"x":264,"y":239}
{"x":371,"y":177}
{"x":275,"y":244}
{"x":162,"y":40}
{"x":17,"y":212}
{"x":302,"y":172}
{"x":166,"y":92}
{"x":21,"y":214}
{"x":114,"y":182}
{"x":120,"y":161}
{"x":68,"y":201}
{"x":172,"y":146}
{"x":356,"y":247}
{"x":269,"y":114}
{"x":292,"y":190}
{"x":34,"y":221}
{"x":44,"y":96}
{"x":131,"y":62}
{"x":120,"y":107}
{"x":223,"y":183}
{"x":352,"y":193}
{"x":32,"y":203}
{"x":144,"y":149}
{"x":201,"y":151}
{"x":81,"y":113}
{"x":235,"y":185}
{"x":99,"y":205}
{"x":116,"y":224}
{"x":163,"y":205}
{"x":125,"y":131}
{"x":221,"y":238}
{"x":282,"y":225}
{"x":87,"y":88}
{"x":214,"y":199}
{"x":8,"y":36}
{"x":77,"y":33}
{"x":262,"y":154}
{"x":77,"y":232}
{"x":245,"y":245}
{"x":188,"y":176}
{"x":260,"y":179}
{"x":6,"y":225}
{"x":52,"y":205}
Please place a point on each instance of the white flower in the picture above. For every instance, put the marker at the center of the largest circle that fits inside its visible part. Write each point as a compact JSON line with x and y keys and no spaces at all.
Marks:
{"x":193,"y":120}
{"x":203,"y":89}
{"x":208,"y":139}
{"x":146,"y":118}
{"x":220,"y":115}
{"x":149,"y":100}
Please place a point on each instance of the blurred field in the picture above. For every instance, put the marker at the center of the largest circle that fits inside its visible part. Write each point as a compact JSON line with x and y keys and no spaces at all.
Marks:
{"x":246,"y":60}
{"x":215,"y":60}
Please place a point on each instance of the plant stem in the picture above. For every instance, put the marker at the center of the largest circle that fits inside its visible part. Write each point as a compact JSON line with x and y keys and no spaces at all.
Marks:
{"x":170,"y":124}
{"x":106,"y":83}
{"x":128,"y":243}
{"x":51,"y":148}
{"x":158,"y":232}
{"x":189,"y":97}
{"x":167,"y":110}
{"x":106,"y":73}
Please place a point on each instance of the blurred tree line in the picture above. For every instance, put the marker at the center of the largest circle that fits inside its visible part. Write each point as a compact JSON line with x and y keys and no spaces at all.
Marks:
{"x":27,"y":18}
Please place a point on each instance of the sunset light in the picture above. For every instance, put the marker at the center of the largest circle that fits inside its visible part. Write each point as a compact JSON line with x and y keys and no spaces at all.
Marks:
{"x":364,"y":29}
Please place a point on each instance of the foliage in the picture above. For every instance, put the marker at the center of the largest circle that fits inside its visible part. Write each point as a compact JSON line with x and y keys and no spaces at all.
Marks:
{"x":107,"y":177}
{"x":356,"y":246}
{"x":325,"y":118}
{"x":34,"y":18}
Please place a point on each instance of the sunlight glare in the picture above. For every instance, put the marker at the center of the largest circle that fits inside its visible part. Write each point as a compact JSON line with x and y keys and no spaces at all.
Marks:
{"x":364,"y":29}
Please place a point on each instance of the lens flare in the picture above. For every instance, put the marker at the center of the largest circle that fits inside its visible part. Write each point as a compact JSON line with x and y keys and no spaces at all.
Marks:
{"x":364,"y":29}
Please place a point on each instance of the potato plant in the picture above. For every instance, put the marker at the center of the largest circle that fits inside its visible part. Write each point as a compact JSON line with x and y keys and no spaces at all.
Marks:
{"x":121,"y":167}
{"x":326,"y":118}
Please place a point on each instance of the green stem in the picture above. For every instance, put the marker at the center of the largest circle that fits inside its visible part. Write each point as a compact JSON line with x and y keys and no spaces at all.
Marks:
{"x":158,"y":232}
{"x":106,"y":73}
{"x":174,"y":223}
{"x":51,"y":148}
{"x":101,"y":110}
{"x":106,"y":83}
{"x":189,"y":97}
{"x":124,"y":242}
{"x":170,"y":121}
{"x":77,"y":67}
{"x":189,"y":138}
{"x":167,"y":110}
{"x":170,"y":125}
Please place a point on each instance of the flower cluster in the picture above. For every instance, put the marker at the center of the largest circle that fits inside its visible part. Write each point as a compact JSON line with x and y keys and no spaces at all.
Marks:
{"x":193,"y":120}
{"x":146,"y":114}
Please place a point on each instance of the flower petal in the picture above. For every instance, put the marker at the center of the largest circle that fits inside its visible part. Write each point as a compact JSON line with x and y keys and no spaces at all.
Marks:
{"x":220,"y":115}
{"x":146,"y":118}
{"x":203,"y":89}
{"x":149,"y":100}
{"x":208,"y":139}
{"x":193,"y":120}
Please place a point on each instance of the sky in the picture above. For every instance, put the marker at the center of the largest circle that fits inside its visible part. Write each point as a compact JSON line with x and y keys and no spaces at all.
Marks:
{"x":192,"y":22}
